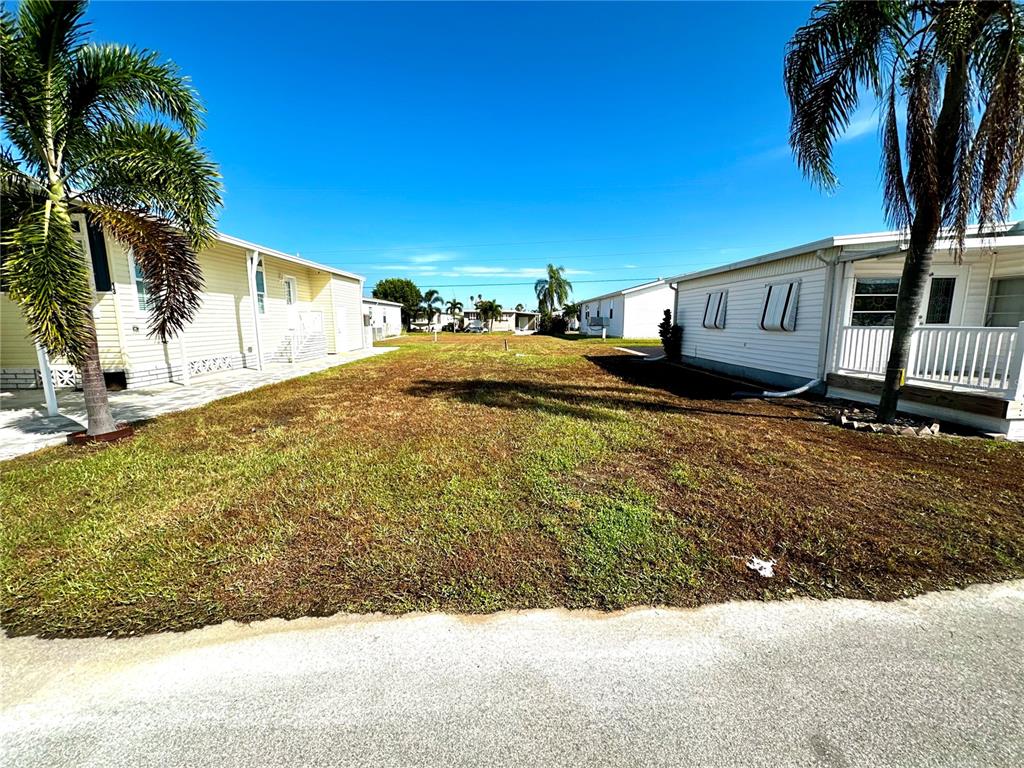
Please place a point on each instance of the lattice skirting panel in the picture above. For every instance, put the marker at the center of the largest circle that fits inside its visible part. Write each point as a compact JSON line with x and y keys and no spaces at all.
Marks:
{"x":210,"y":365}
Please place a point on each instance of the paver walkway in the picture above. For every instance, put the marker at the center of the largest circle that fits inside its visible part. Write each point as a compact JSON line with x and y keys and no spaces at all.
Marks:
{"x":25,"y":427}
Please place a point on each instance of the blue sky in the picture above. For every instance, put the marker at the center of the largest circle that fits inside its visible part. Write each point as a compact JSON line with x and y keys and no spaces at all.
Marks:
{"x":467,"y":145}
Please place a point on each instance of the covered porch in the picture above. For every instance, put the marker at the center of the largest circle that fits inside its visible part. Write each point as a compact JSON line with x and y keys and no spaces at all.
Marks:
{"x":967,"y":353}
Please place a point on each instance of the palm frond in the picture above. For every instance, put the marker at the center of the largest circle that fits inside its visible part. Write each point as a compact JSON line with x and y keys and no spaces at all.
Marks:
{"x":153,"y":167}
{"x":168,"y":262}
{"x":897,"y":205}
{"x":117,"y":82}
{"x":52,"y":30}
{"x":998,"y":153}
{"x":826,"y":61}
{"x":46,"y":275}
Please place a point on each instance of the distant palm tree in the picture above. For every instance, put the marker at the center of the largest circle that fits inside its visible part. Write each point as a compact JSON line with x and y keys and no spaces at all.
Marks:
{"x":454,"y":307}
{"x":110,"y":131}
{"x":520,"y":307}
{"x":432,"y":300}
{"x":490,"y":311}
{"x":552,"y":291}
{"x":570,"y":312}
{"x":959,"y":70}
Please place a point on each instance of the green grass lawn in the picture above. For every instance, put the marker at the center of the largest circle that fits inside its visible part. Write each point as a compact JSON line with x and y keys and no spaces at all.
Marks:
{"x":460,"y":476}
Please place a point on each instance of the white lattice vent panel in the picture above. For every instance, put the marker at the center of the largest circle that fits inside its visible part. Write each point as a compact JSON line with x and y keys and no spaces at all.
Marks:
{"x":62,"y":376}
{"x":208,"y":365}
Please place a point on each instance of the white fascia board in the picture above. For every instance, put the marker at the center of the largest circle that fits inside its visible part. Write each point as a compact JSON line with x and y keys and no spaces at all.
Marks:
{"x":624,"y":291}
{"x":796,"y":250}
{"x":974,"y":240}
{"x":371,"y":300}
{"x":286,"y":256}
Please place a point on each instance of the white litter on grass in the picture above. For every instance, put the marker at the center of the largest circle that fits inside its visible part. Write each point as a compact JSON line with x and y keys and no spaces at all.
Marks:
{"x":764,"y":567}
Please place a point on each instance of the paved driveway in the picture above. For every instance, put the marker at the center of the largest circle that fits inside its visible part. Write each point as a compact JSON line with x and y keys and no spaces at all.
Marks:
{"x":25,"y":427}
{"x":934,"y":681}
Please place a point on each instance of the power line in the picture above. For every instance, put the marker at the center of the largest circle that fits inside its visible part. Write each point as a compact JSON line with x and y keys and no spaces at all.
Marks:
{"x":495,"y":245}
{"x":506,"y":285}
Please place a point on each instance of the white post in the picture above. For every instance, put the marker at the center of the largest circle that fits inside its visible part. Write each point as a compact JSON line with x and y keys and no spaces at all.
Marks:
{"x":48,"y":390}
{"x":252,"y":259}
{"x":1017,"y":366}
{"x":604,"y":332}
{"x":186,"y":374}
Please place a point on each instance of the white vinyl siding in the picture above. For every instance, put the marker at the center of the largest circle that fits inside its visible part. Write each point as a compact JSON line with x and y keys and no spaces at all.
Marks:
{"x":742,"y":343}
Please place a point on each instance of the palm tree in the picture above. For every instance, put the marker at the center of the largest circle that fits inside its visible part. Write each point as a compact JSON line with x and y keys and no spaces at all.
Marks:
{"x":490,"y":311}
{"x":552,"y":291}
{"x":959,"y":70}
{"x":454,"y":307}
{"x":110,"y":131}
{"x":570,"y":312}
{"x":431,"y":301}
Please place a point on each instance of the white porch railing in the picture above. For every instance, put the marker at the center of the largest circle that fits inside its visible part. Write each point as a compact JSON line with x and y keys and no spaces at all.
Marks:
{"x":972,"y":358}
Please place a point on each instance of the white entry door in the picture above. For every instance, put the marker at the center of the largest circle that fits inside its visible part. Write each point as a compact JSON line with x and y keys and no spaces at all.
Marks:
{"x":291,"y":300}
{"x":340,"y":331}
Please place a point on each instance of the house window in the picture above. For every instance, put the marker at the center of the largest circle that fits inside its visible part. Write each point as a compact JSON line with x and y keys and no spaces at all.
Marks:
{"x":874,"y":300}
{"x":611,"y":313}
{"x":780,"y":302}
{"x":261,"y":288}
{"x":289,"y":291}
{"x":940,"y":300}
{"x":714,"y":309}
{"x":1005,"y":303}
{"x":142,"y":292}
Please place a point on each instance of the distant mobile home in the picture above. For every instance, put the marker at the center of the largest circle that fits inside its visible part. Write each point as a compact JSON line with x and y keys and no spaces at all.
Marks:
{"x":823,"y":312}
{"x":633,"y":313}
{"x":382,"y":319}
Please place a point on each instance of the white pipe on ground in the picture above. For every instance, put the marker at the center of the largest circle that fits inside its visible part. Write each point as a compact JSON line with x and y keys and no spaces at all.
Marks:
{"x":787,"y":393}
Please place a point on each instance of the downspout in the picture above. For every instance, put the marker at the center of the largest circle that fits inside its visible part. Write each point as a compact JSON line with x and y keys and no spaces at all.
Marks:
{"x":47,"y":380}
{"x":251,"y":262}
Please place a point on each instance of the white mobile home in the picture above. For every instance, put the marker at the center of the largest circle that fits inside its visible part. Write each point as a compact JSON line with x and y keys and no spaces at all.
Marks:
{"x":823,"y":312}
{"x":381,"y":319}
{"x":514,"y":320}
{"x":633,"y":313}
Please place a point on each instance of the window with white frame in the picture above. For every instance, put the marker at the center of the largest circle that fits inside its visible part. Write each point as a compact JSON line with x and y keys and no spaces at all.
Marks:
{"x":142,"y":292}
{"x":714,"y":309}
{"x":611,"y":313}
{"x":289,"y":291}
{"x":1005,"y":303}
{"x":874,"y":300}
{"x":780,"y":303}
{"x":261,"y":288}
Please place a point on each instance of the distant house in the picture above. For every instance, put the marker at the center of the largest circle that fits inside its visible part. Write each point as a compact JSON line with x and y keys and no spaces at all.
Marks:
{"x":632,"y":313}
{"x":382,"y":319}
{"x":259,"y":307}
{"x":514,"y":320}
{"x":824,"y":311}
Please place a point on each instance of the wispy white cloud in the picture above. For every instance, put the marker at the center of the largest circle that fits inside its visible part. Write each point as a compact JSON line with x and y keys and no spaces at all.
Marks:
{"x":429,"y":258}
{"x":861,"y":124}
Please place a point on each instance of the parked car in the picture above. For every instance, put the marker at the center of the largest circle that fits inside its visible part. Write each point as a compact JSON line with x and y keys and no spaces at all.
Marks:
{"x":476,"y":328}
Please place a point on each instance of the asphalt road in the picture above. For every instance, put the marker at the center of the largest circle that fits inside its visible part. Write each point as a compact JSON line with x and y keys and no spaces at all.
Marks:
{"x":934,"y":681}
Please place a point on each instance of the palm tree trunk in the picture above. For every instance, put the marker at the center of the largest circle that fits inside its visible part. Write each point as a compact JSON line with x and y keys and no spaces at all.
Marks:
{"x":916,"y":268}
{"x":97,"y":405}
